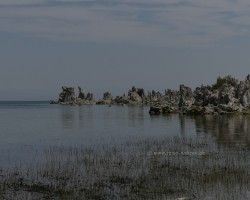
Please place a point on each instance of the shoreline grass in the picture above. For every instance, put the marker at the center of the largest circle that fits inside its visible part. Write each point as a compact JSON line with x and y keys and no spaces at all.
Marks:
{"x":151,"y":168}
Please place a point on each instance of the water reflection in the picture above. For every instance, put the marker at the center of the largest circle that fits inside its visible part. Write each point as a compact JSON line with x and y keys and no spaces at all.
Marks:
{"x":104,"y":119}
{"x":231,"y":129}
{"x":76,"y":116}
{"x":68,"y":116}
{"x":182,"y":124}
{"x":136,"y":116}
{"x":85,"y":116}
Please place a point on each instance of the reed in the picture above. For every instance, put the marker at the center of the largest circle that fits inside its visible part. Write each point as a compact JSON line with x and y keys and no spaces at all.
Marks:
{"x":150,"y":168}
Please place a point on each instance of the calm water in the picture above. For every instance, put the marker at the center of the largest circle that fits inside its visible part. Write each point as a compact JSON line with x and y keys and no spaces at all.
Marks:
{"x":28,"y":127}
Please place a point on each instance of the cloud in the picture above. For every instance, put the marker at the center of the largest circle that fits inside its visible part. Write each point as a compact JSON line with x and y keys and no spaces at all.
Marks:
{"x":20,"y":2}
{"x":148,"y":22}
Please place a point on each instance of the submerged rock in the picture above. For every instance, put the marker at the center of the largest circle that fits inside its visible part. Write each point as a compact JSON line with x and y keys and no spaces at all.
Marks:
{"x":154,"y":110}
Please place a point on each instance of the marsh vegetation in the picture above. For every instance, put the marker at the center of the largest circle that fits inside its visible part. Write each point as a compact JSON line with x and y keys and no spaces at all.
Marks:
{"x":147,"y":168}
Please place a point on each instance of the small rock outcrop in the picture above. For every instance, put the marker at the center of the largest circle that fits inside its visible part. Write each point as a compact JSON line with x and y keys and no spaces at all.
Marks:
{"x":107,"y":99}
{"x":89,"y":97}
{"x":121,"y":100}
{"x":53,"y":102}
{"x":244,"y":92}
{"x":205,"y":96}
{"x":135,"y":96}
{"x":67,"y":95}
{"x":107,"y":96}
{"x":155,"y":110}
{"x":81,"y":93}
{"x":186,"y":99}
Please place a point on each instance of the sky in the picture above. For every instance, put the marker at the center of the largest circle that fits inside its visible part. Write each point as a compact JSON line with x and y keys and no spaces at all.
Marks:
{"x":112,"y":45}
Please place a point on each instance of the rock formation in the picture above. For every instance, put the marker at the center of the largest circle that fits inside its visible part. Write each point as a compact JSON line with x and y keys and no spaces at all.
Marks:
{"x":107,"y":99}
{"x":107,"y":96}
{"x":89,"y":97}
{"x":53,"y":102}
{"x":81,"y":94}
{"x":225,"y":97}
{"x":186,"y":99}
{"x":135,"y":96}
{"x":67,"y":95}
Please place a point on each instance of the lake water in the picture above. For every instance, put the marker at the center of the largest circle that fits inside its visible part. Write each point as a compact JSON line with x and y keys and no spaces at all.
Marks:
{"x":28,"y":127}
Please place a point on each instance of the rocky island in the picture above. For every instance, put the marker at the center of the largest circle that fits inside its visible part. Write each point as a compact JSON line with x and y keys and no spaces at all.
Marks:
{"x":226,"y":96}
{"x":135,"y":96}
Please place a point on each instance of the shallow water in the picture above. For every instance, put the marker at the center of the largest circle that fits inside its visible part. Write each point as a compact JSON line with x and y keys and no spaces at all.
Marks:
{"x":28,"y":127}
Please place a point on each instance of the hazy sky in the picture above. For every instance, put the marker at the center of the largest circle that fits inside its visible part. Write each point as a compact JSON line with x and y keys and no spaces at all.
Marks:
{"x":111,"y":45}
